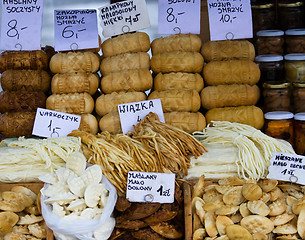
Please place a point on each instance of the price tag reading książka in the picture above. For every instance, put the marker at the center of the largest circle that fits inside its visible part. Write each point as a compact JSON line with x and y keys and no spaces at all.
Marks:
{"x":131,"y":113}
{"x":21,"y":24}
{"x":179,"y":17}
{"x":230,"y":19}
{"x":287,"y":167}
{"x":75,"y":29}
{"x":123,"y":17}
{"x":50,"y":123}
{"x":150,"y":187}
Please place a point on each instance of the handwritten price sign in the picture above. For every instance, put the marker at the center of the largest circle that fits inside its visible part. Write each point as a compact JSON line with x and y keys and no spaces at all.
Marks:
{"x":230,"y":19}
{"x":75,"y":29}
{"x":179,"y":17}
{"x":21,"y":25}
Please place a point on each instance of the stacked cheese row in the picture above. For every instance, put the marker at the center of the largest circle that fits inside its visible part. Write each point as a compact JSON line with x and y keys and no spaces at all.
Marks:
{"x":126,"y":75}
{"x":177,"y":63}
{"x":25,"y":83}
{"x":74,"y":83}
{"x":231,"y":76}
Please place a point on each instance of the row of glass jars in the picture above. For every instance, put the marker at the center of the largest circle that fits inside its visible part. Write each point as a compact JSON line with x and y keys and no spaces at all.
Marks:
{"x":278,"y":68}
{"x":280,"y":42}
{"x":287,"y":126}
{"x":283,"y":15}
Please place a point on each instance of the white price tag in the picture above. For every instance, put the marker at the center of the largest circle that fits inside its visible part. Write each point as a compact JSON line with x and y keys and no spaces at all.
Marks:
{"x":150,"y":187}
{"x":123,"y":17}
{"x":75,"y":29}
{"x":21,"y":25}
{"x":287,"y":167}
{"x":230,"y":19}
{"x":179,"y":16}
{"x":50,"y":123}
{"x":131,"y":113}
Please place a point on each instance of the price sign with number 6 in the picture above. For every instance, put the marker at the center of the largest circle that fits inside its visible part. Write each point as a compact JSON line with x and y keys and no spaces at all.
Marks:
{"x":21,"y":25}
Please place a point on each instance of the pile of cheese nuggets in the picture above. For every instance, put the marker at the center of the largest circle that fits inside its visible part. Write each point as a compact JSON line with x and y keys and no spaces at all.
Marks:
{"x":234,"y":208}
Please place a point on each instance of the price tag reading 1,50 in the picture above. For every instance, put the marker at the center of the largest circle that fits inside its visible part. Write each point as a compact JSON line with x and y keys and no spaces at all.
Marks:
{"x":21,"y":25}
{"x":150,"y":187}
{"x":75,"y":29}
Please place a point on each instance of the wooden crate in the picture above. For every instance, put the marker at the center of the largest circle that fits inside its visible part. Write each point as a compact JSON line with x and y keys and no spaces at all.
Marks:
{"x":35,"y":187}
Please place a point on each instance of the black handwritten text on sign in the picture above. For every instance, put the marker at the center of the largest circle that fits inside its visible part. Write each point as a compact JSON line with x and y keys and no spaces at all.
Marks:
{"x":75,"y":29}
{"x":179,"y":16}
{"x":230,"y":19}
{"x":21,"y":24}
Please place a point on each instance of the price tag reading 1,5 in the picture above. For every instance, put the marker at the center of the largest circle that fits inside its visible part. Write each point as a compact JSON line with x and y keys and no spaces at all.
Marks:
{"x":51,"y":124}
{"x":287,"y":167}
{"x":75,"y":29}
{"x":21,"y":25}
{"x":176,"y":16}
{"x":150,"y":187}
{"x":124,"y":16}
{"x":230,"y":19}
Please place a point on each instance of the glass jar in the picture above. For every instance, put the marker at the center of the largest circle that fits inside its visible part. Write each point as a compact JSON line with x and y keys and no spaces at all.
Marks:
{"x":291,"y":15}
{"x":295,"y":40}
{"x":298,"y":97}
{"x":276,"y":97}
{"x":270,"y":42}
{"x":295,"y":67}
{"x":299,"y":133}
{"x":279,"y":124}
{"x":271,"y":67}
{"x":263,"y":16}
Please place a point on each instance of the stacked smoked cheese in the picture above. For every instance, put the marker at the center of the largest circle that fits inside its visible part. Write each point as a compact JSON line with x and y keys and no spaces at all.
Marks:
{"x":125,"y":69}
{"x":231,"y":76}
{"x":25,"y":82}
{"x":74,"y":83}
{"x":177,"y":63}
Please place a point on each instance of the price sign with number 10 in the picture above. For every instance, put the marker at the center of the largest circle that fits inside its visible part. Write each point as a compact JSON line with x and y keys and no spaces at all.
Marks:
{"x":21,"y":24}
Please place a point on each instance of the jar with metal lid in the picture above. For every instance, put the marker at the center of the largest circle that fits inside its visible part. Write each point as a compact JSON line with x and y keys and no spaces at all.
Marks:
{"x":299,"y":133}
{"x":271,"y":67}
{"x":276,"y":97}
{"x":291,"y":14}
{"x":270,"y":42}
{"x":295,"y":67}
{"x":263,"y":16}
{"x":298,"y":97}
{"x":295,"y":40}
{"x":279,"y":124}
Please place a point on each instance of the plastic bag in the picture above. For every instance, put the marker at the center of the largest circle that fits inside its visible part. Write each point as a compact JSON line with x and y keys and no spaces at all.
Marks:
{"x":80,"y":228}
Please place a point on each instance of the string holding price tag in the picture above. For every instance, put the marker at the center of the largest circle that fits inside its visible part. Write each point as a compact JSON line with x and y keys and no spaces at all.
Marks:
{"x":230,"y":19}
{"x":75,"y":29}
{"x":179,"y":17}
{"x":21,"y":25}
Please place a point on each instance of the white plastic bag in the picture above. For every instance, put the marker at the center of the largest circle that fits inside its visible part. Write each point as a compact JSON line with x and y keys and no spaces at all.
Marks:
{"x":79,"y":228}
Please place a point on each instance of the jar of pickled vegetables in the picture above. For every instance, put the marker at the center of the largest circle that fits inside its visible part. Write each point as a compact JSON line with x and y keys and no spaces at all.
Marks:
{"x":295,"y":67}
{"x":295,"y":40}
{"x":270,"y":42}
{"x":263,"y":16}
{"x":276,"y":97}
{"x":271,"y":67}
{"x":291,"y":14}
{"x":299,"y":133}
{"x":298,"y":97}
{"x":279,"y":124}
